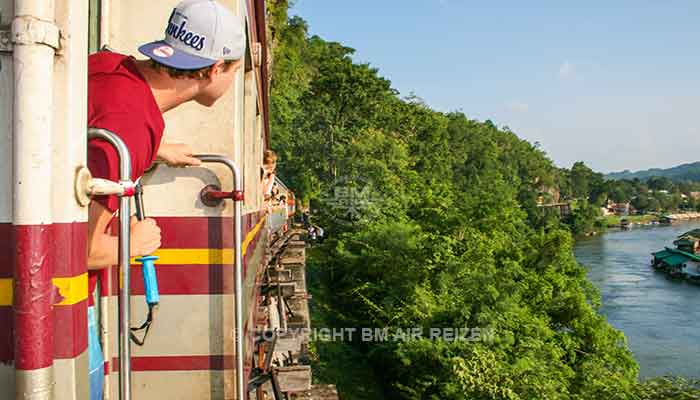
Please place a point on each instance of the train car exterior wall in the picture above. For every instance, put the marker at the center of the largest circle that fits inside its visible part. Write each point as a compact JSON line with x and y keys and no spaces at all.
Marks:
{"x":190,"y":348}
{"x":42,"y":227}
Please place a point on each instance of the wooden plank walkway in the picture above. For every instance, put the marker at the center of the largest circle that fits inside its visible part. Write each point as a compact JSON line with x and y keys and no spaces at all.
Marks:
{"x":288,"y":320}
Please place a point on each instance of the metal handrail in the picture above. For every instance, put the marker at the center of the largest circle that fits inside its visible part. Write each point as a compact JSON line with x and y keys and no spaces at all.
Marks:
{"x":237,"y":197}
{"x":124,"y":255}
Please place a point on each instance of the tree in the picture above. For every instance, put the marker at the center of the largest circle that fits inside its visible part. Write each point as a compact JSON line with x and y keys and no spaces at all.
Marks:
{"x":660,"y":183}
{"x":453,"y":238}
{"x":580,"y":177}
{"x":641,"y":202}
{"x":583,"y":217}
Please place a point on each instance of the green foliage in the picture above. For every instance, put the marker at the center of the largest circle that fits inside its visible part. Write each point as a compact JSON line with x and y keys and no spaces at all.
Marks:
{"x":337,"y":362}
{"x":451,"y":236}
{"x":668,"y":388}
{"x":582,"y":219}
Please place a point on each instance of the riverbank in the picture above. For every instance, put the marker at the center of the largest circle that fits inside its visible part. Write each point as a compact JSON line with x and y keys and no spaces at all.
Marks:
{"x":651,"y":309}
{"x":616,"y":221}
{"x":687,"y":216}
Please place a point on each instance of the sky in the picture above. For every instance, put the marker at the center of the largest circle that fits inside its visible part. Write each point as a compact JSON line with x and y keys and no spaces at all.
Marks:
{"x":615,"y":84}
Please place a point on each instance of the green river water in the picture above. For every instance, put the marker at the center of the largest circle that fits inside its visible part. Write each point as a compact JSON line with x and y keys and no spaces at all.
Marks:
{"x":659,"y":316}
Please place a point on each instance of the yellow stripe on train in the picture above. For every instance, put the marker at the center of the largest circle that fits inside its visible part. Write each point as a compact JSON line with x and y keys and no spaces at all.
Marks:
{"x":6,"y":292}
{"x":73,"y":290}
{"x":203,"y":256}
{"x":193,"y":256}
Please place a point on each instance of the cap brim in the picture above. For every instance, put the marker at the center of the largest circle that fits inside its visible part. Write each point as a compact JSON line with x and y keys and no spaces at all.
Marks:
{"x":179,"y":59}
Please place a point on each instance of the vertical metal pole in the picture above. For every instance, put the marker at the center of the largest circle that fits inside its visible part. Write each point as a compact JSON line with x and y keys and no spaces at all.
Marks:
{"x":124,"y":253}
{"x":241,"y":383}
{"x":238,"y":268}
{"x":34,"y":36}
{"x":124,"y":304}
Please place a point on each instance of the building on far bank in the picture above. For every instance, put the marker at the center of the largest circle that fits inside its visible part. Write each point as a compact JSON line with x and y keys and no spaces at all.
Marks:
{"x":689,"y":241}
{"x":620,"y":209}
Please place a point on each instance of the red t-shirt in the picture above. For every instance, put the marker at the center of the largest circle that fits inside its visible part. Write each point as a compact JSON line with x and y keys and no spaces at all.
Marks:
{"x":120,"y":100}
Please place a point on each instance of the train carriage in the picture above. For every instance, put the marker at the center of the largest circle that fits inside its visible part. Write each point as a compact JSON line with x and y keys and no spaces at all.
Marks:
{"x":190,"y":350}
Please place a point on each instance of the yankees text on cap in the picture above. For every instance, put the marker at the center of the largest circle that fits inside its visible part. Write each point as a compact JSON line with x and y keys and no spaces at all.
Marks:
{"x":199,"y":33}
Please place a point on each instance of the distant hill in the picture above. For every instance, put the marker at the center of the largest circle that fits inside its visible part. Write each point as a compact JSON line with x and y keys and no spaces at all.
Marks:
{"x":683,"y":172}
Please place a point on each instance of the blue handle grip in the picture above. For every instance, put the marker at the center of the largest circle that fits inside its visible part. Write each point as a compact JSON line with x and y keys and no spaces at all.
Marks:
{"x":150,"y":282}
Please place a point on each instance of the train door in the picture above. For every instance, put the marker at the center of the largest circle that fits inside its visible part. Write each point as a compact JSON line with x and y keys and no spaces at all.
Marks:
{"x":43,"y":229}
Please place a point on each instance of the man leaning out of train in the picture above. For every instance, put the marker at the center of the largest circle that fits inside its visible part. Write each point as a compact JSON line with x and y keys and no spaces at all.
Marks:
{"x":267,"y":177}
{"x":196,"y":61}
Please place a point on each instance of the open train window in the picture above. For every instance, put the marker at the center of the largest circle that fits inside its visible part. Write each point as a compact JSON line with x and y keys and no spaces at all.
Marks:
{"x":94,"y":26}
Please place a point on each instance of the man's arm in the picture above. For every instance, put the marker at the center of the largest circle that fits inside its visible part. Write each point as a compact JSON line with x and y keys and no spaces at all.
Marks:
{"x":177,"y":155}
{"x":103,"y":247}
{"x":268,"y":183}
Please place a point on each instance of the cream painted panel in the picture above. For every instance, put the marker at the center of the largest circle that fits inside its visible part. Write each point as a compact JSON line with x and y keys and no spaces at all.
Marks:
{"x":70,"y":109}
{"x":134,"y":22}
{"x":7,"y":382}
{"x":6,"y":95}
{"x":72,"y":378}
{"x":184,"y":385}
{"x":184,"y":325}
{"x":173,"y":192}
{"x":6,"y":90}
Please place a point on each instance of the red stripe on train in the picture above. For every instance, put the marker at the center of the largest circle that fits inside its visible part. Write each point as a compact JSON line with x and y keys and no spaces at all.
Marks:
{"x":196,"y":232}
{"x":34,"y":297}
{"x":6,"y":329}
{"x":34,"y":254}
{"x":6,"y":250}
{"x":70,"y":331}
{"x":202,"y":232}
{"x":186,"y":279}
{"x":178,"y":363}
{"x":68,"y":248}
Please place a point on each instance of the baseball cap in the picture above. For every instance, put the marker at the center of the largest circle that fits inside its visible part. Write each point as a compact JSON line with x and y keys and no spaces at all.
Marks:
{"x":199,"y":33}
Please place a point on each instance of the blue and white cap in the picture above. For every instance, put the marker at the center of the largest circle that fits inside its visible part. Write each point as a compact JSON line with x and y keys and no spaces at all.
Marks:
{"x":199,"y":33}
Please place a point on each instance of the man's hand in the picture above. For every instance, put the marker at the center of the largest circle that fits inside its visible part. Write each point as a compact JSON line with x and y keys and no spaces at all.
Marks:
{"x":102,"y":246}
{"x":145,"y":237}
{"x":177,"y":155}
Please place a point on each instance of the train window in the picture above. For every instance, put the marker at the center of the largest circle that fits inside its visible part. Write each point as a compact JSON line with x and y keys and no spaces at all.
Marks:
{"x":94,"y":25}
{"x":257,"y":160}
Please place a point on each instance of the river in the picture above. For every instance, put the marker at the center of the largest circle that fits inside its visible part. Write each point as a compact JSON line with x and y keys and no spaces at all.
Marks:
{"x":660,"y":317}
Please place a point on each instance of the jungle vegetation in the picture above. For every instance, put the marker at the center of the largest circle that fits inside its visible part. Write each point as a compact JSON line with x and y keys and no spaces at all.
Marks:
{"x":431,"y":220}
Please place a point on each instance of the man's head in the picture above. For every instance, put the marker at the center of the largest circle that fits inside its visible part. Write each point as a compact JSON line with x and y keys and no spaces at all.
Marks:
{"x":269,"y":163}
{"x":203,"y":41}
